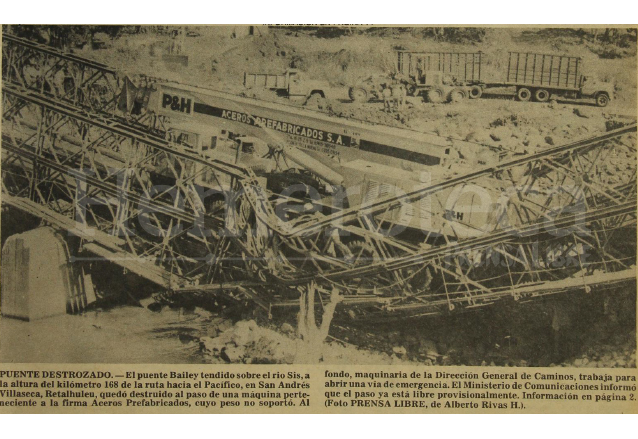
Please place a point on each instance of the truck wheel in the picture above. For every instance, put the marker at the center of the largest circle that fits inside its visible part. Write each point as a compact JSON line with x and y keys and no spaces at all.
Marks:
{"x":523,"y":94}
{"x":456,"y":95}
{"x":541,"y":95}
{"x":435,"y":95}
{"x":318,"y":93}
{"x":602,"y":100}
{"x":358,"y":94}
{"x":476,"y":92}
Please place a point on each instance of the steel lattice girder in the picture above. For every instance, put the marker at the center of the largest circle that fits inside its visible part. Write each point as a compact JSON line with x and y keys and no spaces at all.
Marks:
{"x":76,"y":80}
{"x":390,"y":265}
{"x":103,"y":158}
{"x":588,"y":212}
{"x":80,"y":82}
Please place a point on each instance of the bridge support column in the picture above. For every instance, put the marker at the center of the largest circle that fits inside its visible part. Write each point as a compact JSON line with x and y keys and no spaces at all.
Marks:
{"x":38,"y":279}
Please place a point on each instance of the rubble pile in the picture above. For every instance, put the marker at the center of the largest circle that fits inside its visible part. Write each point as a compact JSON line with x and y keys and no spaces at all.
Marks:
{"x":605,"y":356}
{"x":608,"y":344}
{"x":247,"y":342}
{"x":620,"y":352}
{"x":517,"y":127}
{"x":594,"y":331}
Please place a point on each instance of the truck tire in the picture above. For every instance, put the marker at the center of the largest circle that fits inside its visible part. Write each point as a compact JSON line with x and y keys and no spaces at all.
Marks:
{"x":358,"y":94}
{"x":319,"y":93}
{"x":434,"y":95}
{"x":523,"y":94}
{"x":541,"y":95}
{"x":457,"y":95}
{"x":476,"y":92}
{"x":602,"y":99}
{"x":314,"y":100}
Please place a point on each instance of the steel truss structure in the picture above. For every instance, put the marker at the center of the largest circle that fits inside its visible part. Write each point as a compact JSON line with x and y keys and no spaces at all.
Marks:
{"x":556,"y":221}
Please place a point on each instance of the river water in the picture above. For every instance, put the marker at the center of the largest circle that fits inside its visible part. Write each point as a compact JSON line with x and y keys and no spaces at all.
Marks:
{"x":504,"y":335}
{"x":123,"y":334}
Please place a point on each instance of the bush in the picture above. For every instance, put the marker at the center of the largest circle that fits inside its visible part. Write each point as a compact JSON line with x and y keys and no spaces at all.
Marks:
{"x":455,"y":34}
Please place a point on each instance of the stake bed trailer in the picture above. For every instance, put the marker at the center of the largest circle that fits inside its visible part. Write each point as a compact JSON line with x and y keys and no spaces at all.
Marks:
{"x":453,"y":76}
{"x":290,"y":84}
{"x":538,"y":76}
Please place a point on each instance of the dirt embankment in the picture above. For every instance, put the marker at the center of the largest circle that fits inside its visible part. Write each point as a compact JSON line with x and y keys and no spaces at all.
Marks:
{"x":581,"y":330}
{"x":216,"y":60}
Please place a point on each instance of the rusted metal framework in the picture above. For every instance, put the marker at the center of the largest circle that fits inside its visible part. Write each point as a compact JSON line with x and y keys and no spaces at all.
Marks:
{"x":559,"y":220}
{"x":134,"y":195}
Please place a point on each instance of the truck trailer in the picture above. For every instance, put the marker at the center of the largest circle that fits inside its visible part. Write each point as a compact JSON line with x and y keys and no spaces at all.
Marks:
{"x":441,"y":75}
{"x":453,"y":76}
{"x":437,"y":76}
{"x":538,"y":76}
{"x":289,"y":84}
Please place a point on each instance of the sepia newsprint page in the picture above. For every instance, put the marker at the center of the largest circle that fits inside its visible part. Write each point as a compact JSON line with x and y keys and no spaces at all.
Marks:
{"x":318,"y":219}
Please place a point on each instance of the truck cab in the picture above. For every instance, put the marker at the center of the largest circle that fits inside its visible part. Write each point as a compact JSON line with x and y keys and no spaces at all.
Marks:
{"x":303,"y":87}
{"x":601,"y":92}
{"x":252,"y":152}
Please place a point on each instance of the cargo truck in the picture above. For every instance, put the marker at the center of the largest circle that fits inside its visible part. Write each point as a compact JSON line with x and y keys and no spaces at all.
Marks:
{"x":290,"y":84}
{"x":441,"y":76}
{"x":437,"y":76}
{"x":538,"y":76}
{"x":453,"y":76}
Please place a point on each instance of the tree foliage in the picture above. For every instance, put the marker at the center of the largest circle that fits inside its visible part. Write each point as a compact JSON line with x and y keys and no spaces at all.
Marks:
{"x":63,"y":36}
{"x":620,"y":37}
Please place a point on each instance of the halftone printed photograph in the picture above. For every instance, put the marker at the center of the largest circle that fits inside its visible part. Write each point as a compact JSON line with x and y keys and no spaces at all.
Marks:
{"x":349,"y":205}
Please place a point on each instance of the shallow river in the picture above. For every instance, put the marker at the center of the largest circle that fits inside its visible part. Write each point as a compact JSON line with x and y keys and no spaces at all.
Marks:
{"x":123,"y":334}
